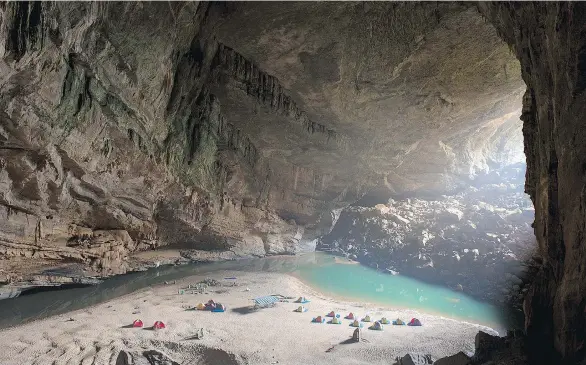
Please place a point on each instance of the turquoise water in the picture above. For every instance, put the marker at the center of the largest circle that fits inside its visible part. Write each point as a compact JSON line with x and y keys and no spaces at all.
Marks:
{"x":320,"y":271}
{"x":363,"y":284}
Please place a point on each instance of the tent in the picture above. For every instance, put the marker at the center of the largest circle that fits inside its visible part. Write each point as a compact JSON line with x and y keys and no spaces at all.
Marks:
{"x":158,"y":325}
{"x":301,"y":309}
{"x":302,"y":300}
{"x":398,"y":322}
{"x":350,"y":316}
{"x":335,"y":320}
{"x":377,"y":326}
{"x":318,"y":319}
{"x":366,"y":318}
{"x":200,"y":306}
{"x":385,"y":321}
{"x":414,"y":322}
{"x":219,"y":308}
{"x":137,"y":323}
{"x":355,"y":323}
{"x":356,"y":335}
{"x":331,"y":314}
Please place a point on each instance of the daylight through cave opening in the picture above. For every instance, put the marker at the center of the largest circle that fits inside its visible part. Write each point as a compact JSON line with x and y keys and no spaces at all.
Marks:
{"x":476,"y":239}
{"x":139,"y":134}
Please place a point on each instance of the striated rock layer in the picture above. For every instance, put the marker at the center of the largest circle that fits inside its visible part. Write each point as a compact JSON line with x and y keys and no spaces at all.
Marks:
{"x":112,"y":142}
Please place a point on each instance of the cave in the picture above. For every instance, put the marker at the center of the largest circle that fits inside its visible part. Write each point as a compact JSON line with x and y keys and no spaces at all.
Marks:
{"x":235,"y":130}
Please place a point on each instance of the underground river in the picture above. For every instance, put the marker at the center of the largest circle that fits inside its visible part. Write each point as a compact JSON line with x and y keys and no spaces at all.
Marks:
{"x":325,"y":273}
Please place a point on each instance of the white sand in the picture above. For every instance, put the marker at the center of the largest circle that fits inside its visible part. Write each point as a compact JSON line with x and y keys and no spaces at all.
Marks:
{"x":268,"y":336}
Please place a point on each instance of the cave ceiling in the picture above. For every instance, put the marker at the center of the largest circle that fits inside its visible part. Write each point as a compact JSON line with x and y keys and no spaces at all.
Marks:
{"x":418,"y":97}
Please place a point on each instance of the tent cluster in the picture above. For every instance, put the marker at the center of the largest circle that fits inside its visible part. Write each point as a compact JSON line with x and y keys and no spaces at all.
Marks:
{"x":139,"y":324}
{"x":211,"y":306}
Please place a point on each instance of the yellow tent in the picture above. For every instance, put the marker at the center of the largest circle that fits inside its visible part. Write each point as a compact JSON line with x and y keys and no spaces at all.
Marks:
{"x":398,"y":322}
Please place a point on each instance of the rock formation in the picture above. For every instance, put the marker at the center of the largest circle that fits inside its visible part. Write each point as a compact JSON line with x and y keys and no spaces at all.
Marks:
{"x":459,"y":240}
{"x":127,"y":127}
{"x":241,"y":126}
{"x":550,"y":42}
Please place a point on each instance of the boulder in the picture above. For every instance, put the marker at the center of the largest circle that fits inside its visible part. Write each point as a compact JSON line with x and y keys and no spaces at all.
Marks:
{"x":458,"y":359}
{"x":414,"y":359}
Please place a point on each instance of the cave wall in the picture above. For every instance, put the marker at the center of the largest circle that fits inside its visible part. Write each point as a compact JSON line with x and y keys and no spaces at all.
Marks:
{"x":127,"y":126}
{"x":112,"y":141}
{"x":130,"y":126}
{"x":550,"y":41}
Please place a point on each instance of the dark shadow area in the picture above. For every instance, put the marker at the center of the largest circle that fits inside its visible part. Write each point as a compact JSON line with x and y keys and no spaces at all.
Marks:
{"x":56,"y":288}
{"x":156,"y":357}
{"x":123,"y":358}
{"x":348,"y":341}
{"x":244,"y":310}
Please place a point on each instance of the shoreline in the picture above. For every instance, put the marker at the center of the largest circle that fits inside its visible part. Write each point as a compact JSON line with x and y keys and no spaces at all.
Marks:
{"x":237,"y":336}
{"x":393,"y":307}
{"x":500,"y":328}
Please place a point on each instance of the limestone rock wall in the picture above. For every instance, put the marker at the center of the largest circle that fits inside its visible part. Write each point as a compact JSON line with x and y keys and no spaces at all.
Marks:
{"x":111,"y":142}
{"x":550,"y":41}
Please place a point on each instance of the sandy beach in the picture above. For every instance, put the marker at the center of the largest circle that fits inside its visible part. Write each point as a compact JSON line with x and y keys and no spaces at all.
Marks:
{"x":278,"y":335}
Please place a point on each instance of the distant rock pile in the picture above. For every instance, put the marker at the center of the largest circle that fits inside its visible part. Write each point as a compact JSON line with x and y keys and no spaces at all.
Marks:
{"x":476,"y":241}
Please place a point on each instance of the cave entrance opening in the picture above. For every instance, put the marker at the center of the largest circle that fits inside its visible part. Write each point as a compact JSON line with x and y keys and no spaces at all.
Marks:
{"x":474,"y":234}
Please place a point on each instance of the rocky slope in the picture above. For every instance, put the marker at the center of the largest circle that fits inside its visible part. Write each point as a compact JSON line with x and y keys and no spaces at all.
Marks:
{"x":459,"y":240}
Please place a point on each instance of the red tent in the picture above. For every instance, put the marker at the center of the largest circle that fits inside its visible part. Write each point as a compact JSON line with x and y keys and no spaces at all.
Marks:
{"x":414,"y":322}
{"x":137,"y":323}
{"x":159,"y":325}
{"x":318,"y":319}
{"x":350,"y":316}
{"x":331,"y":314}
